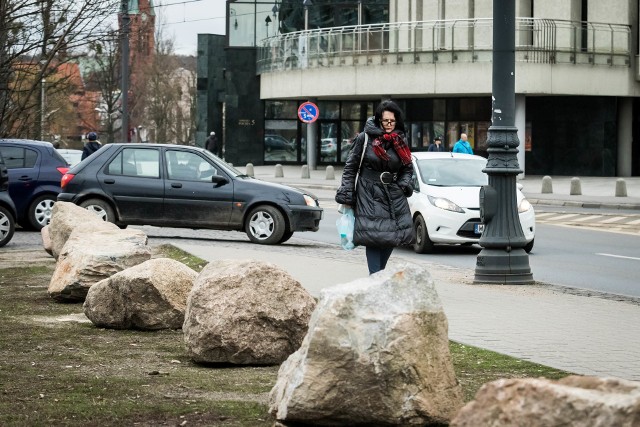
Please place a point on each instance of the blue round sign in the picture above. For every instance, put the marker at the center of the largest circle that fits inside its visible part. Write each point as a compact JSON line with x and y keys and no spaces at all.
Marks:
{"x":308,"y":112}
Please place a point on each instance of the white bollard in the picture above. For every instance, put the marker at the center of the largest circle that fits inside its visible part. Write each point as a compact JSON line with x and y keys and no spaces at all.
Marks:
{"x":576,"y":187}
{"x":330,"y":173}
{"x":305,"y":172}
{"x":279,"y":172}
{"x":547,"y":185}
{"x":621,"y":188}
{"x":249,"y":170}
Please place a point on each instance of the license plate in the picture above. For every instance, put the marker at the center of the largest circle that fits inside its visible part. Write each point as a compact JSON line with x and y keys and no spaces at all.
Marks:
{"x":478,"y":228}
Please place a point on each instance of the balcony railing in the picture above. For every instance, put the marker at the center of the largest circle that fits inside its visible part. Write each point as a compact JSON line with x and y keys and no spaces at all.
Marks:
{"x":545,"y":41}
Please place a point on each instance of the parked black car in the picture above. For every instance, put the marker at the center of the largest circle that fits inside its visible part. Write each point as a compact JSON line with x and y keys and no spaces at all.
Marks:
{"x":7,"y":207}
{"x":35,"y":170}
{"x":187,"y":187}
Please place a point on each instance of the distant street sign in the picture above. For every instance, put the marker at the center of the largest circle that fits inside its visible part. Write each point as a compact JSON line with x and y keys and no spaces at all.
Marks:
{"x":308,"y":112}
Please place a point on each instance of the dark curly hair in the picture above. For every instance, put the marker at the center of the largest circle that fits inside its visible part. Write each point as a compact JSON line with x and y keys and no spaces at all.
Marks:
{"x":388,"y":105}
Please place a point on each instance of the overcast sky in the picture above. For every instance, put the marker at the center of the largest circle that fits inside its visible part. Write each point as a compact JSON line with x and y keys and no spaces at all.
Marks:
{"x":183,"y":20}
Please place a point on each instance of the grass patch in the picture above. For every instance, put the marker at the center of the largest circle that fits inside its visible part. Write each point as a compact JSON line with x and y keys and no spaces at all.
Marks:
{"x":68,"y":373}
{"x":191,"y":261}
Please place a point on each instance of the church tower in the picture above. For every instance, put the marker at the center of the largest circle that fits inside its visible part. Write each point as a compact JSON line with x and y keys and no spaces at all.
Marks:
{"x":142,"y":21}
{"x":141,"y":31}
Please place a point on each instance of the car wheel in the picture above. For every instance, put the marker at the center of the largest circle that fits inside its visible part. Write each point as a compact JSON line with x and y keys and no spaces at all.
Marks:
{"x":529,"y":246}
{"x":101,"y":208}
{"x":40,"y":211}
{"x":286,"y":236}
{"x":7,"y":226}
{"x":265,"y":225}
{"x":423,"y":244}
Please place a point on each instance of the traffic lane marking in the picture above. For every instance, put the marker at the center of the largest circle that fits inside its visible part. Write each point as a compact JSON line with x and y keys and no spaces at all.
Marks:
{"x":620,"y":256}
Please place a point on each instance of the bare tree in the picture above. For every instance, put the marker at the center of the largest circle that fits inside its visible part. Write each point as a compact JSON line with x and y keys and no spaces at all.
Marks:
{"x":105,"y":78}
{"x":36,"y":38}
{"x":171,"y":89}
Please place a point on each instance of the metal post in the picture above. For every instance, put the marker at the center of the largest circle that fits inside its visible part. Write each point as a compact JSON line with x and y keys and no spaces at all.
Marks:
{"x":306,"y":4}
{"x":502,"y":259}
{"x":124,"y":58}
{"x":42,"y":104}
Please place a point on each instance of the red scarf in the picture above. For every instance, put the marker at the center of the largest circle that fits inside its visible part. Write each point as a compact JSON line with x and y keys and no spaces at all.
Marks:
{"x":398,"y":144}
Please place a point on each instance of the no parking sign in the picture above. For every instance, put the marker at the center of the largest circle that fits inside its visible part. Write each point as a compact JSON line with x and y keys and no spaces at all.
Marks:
{"x":308,"y":112}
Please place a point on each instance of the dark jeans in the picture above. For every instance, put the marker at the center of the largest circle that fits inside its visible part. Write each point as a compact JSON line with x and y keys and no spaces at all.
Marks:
{"x":377,"y":258}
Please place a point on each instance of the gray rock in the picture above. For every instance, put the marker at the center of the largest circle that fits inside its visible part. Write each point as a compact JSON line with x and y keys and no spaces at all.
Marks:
{"x":245,"y":312}
{"x":46,"y":239}
{"x":91,"y":256}
{"x":148,"y":296}
{"x":377,"y":353}
{"x":571,"y":401}
{"x":65,"y":217}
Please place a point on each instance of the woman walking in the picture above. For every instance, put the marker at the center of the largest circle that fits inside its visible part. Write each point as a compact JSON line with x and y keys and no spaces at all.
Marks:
{"x":376,"y":182}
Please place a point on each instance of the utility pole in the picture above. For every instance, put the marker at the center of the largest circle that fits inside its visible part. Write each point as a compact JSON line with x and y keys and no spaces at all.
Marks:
{"x":502,"y":259}
{"x":124,"y":58}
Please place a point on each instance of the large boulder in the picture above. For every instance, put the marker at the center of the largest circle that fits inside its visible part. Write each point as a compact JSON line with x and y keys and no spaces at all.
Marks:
{"x":66,"y":217}
{"x":245,"y":312}
{"x":148,"y":296}
{"x":571,"y":401}
{"x":90,"y":256}
{"x":377,"y":353}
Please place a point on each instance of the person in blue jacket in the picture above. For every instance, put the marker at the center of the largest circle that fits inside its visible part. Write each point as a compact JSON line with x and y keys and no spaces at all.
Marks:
{"x":463,"y":146}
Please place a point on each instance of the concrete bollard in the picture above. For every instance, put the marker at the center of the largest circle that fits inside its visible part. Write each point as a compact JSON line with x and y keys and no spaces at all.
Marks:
{"x":621,"y":188}
{"x":330,"y":174}
{"x":249,"y":170}
{"x":576,"y":188}
{"x":279,"y":172}
{"x":305,"y":172}
{"x":547,"y":185}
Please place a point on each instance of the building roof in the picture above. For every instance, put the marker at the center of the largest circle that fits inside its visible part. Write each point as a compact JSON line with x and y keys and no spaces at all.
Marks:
{"x":135,"y":6}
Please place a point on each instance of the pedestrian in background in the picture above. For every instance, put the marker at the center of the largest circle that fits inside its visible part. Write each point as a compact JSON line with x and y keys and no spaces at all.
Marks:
{"x":212,"y":144}
{"x":437,"y":145}
{"x":463,"y":146}
{"x":91,"y":146}
{"x":376,"y":181}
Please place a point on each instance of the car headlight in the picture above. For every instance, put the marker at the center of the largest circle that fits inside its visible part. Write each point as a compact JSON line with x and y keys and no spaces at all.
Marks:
{"x":524,"y":206}
{"x":446,"y":204}
{"x":309,"y":200}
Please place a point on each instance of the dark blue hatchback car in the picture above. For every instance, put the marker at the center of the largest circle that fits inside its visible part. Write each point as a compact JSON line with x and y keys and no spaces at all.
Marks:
{"x":7,"y":207}
{"x":35,"y":169}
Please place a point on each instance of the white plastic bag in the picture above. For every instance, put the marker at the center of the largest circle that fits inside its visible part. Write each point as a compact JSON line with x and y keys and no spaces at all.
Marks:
{"x":345,"y":224}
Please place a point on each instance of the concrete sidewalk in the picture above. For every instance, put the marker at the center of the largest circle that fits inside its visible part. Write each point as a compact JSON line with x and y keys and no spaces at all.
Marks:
{"x":576,"y":331}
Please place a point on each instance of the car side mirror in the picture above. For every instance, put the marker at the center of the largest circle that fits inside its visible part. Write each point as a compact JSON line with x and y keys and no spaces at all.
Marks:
{"x":219,"y":180}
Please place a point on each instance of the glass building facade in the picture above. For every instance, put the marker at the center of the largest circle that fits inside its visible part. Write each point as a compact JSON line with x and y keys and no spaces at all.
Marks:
{"x":561,"y":131}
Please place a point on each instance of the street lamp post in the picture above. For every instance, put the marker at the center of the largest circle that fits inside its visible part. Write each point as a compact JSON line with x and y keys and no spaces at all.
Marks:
{"x":124,"y":58}
{"x":502,"y":259}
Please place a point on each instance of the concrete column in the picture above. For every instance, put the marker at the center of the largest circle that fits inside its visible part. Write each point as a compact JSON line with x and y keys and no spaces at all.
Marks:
{"x":521,"y":123}
{"x":625,"y":136}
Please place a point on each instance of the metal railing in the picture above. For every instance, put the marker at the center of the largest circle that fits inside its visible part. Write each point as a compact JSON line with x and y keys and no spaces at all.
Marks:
{"x":546,"y":41}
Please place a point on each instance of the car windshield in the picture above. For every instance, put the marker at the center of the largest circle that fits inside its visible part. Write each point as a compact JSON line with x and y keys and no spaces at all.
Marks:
{"x":224,"y":165}
{"x":453,"y":172}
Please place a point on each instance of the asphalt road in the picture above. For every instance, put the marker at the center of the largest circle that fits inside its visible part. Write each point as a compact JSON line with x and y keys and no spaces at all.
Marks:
{"x":595,"y":253}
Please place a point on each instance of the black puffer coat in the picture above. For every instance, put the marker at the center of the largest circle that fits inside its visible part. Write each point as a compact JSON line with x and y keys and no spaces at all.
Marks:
{"x":383,"y":218}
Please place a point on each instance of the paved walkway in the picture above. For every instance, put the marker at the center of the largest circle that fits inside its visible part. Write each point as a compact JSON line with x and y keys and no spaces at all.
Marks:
{"x":576,"y":331}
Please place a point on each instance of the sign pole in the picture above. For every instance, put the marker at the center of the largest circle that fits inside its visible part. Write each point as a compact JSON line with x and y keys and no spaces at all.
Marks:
{"x":308,"y":112}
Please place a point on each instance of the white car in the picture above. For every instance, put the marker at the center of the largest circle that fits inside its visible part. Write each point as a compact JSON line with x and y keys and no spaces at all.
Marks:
{"x":73,"y":157}
{"x":445,"y":204}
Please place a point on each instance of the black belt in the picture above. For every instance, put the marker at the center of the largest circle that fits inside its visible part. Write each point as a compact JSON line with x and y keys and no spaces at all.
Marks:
{"x":384,"y":177}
